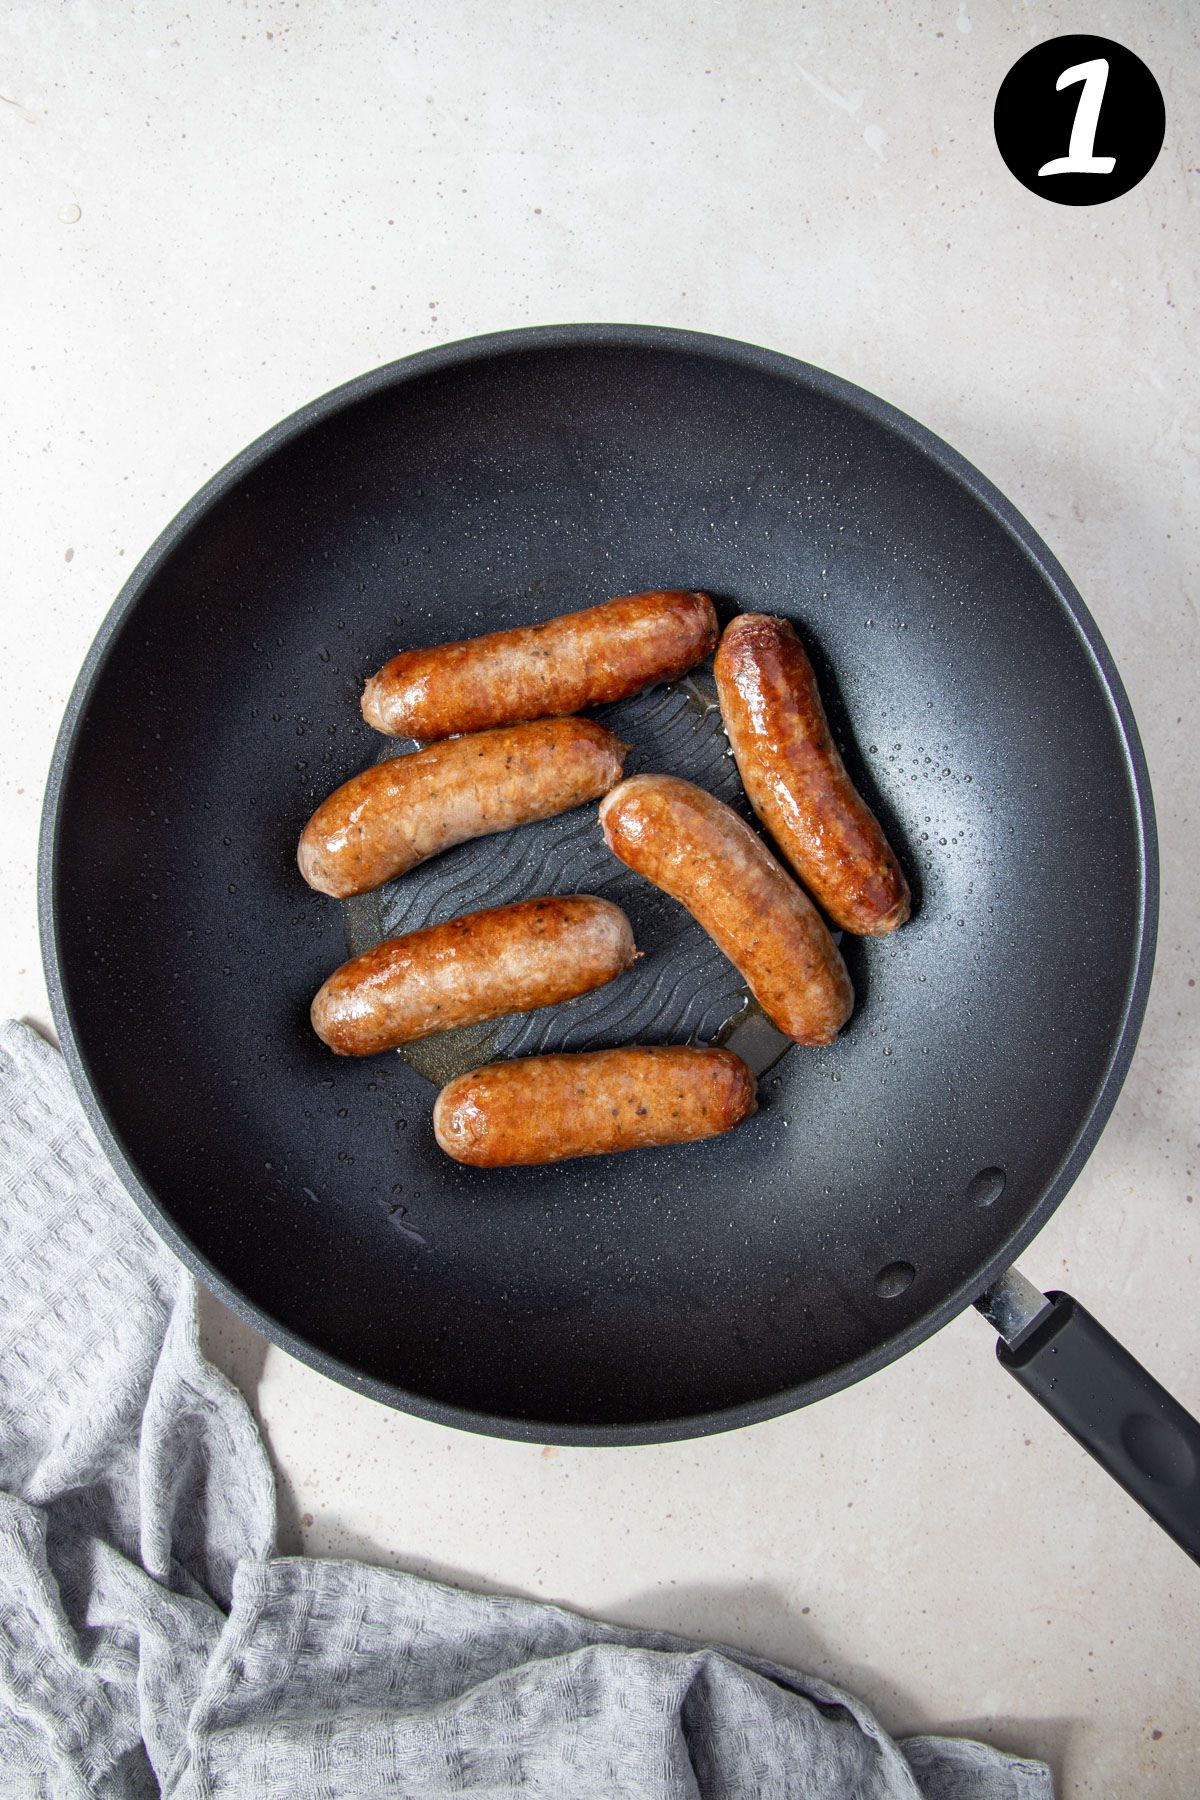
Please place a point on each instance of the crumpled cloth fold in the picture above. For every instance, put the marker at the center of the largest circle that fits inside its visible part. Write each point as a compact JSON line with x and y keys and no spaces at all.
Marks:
{"x":151,"y":1642}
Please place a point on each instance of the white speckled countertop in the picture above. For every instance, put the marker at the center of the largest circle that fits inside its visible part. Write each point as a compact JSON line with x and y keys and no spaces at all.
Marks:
{"x":210,"y":215}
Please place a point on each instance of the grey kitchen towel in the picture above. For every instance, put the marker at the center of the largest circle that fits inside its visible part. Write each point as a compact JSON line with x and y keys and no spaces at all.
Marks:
{"x":151,"y":1642}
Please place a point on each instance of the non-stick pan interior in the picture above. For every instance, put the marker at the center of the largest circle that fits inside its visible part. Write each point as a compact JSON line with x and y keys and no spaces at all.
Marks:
{"x":641,"y":1295}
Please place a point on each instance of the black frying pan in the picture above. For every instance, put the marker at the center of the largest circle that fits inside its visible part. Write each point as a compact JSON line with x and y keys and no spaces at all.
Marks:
{"x":888,"y":1181}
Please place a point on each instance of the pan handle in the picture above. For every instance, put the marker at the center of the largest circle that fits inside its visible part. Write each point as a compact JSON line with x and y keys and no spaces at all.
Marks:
{"x":1112,"y":1406}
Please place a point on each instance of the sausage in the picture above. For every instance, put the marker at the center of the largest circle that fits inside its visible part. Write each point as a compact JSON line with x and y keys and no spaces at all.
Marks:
{"x":544,"y":1109}
{"x":396,"y":814}
{"x":796,"y":781}
{"x":537,"y":671}
{"x":700,"y":852}
{"x":509,"y":959}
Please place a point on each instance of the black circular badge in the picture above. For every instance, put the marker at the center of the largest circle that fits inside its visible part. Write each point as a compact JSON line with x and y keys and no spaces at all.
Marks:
{"x":1079,"y":120}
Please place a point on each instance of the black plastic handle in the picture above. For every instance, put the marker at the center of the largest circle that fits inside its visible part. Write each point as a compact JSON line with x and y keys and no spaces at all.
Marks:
{"x":1116,"y":1410}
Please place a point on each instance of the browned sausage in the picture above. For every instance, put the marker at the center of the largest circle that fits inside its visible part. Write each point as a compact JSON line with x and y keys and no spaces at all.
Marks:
{"x":697,"y":850}
{"x":399,"y":812}
{"x":538,"y":671}
{"x":547,"y":1108}
{"x":797,"y":782}
{"x":509,"y":959}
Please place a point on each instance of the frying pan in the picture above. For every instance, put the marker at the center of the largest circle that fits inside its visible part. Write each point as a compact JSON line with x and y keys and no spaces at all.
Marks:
{"x":888,"y":1181}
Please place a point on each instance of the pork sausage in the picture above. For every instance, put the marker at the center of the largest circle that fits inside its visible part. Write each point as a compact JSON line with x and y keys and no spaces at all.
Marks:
{"x":539,"y":671}
{"x":700,"y":852}
{"x":509,"y":959}
{"x":544,"y":1109}
{"x":796,"y":781}
{"x":398,"y":813}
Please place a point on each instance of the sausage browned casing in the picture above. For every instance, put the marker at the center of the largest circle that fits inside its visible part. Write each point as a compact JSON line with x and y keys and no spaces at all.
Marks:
{"x":698,"y":850}
{"x":797,"y":782}
{"x":509,"y":959}
{"x":402,"y":811}
{"x":539,"y":671}
{"x":547,"y":1108}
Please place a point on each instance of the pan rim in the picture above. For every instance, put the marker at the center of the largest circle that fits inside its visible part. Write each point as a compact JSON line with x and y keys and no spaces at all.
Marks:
{"x":462,"y":353}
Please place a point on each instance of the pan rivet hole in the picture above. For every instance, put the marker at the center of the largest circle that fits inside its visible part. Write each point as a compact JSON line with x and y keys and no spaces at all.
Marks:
{"x":894,"y":1279}
{"x":986,"y":1188}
